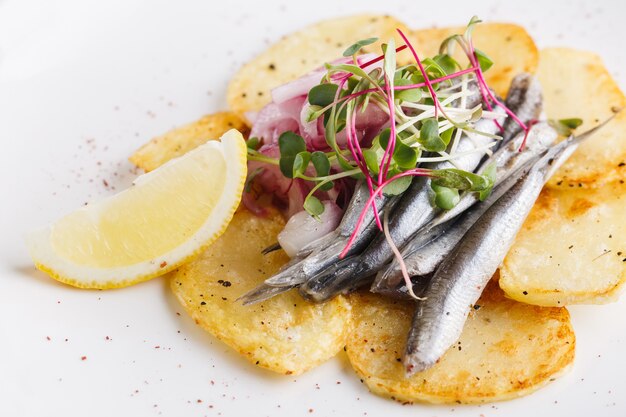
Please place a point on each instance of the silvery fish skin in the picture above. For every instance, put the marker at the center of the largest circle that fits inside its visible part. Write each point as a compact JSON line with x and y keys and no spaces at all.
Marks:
{"x":461,"y":278}
{"x":473,"y":99}
{"x":261,"y":293}
{"x":413,"y":211}
{"x":324,"y":249}
{"x":508,"y":160}
{"x":322,"y":257}
{"x":525,"y":99}
{"x":422,"y":260}
{"x":348,"y":221}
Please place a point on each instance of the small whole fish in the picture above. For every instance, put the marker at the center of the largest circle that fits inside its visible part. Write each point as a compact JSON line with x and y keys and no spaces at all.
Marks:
{"x":461,"y":278}
{"x":508,"y":160}
{"x":425,"y":258}
{"x":414,"y":210}
{"x":526,"y":97}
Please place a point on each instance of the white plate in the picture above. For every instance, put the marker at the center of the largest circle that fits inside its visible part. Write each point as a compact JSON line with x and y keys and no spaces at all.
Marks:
{"x":83,"y":84}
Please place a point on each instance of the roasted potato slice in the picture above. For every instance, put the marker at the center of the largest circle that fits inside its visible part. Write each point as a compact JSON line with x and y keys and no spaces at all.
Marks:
{"x":509,"y":46}
{"x":571,"y":249}
{"x":576,"y":84}
{"x":284,"y":334}
{"x":185,"y":138}
{"x":507,"y":349}
{"x":302,"y":51}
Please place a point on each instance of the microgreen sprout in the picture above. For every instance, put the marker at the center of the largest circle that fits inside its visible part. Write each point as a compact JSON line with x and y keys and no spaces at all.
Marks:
{"x":565,"y":127}
{"x":426,"y":114}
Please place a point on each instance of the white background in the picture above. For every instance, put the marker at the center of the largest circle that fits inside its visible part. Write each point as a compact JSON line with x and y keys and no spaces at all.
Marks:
{"x":83,"y":84}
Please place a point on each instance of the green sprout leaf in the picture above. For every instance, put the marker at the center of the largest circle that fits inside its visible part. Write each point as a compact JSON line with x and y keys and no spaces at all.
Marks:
{"x":313,"y":206}
{"x":404,"y":156}
{"x":372,"y":160}
{"x":322,"y":168}
{"x":433,"y":69}
{"x":447,"y":63}
{"x":446,"y":136}
{"x":290,"y":145}
{"x":355,"y":47}
{"x":320,"y":163}
{"x":322,"y":94}
{"x":248,"y":184}
{"x":413,"y":95}
{"x":571,"y":123}
{"x":253,"y":143}
{"x":383,"y":138}
{"x":352,"y":69}
{"x":429,"y":136}
{"x":459,"y":179}
{"x":490,"y":174}
{"x":390,"y":59}
{"x":483,"y":60}
{"x":398,"y":186}
{"x":470,"y":26}
{"x":301,"y":163}
{"x":445,"y":198}
{"x":565,"y":127}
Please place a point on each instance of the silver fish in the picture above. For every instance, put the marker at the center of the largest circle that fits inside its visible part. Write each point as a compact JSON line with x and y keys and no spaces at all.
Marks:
{"x":261,"y":293}
{"x":325,"y":255}
{"x":525,"y":99}
{"x":508,"y":160}
{"x":348,"y":221}
{"x":420,"y":259}
{"x":461,"y":278}
{"x":412,"y":212}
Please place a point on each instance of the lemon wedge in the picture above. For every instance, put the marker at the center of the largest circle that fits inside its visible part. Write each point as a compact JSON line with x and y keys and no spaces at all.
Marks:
{"x":163,"y":220}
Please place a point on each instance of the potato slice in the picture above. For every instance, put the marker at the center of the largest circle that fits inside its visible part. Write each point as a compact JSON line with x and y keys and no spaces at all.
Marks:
{"x":284,"y":334}
{"x":507,"y":349}
{"x":571,"y":249}
{"x":185,"y":138}
{"x":303,"y":51}
{"x":509,"y":46}
{"x":576,"y":84}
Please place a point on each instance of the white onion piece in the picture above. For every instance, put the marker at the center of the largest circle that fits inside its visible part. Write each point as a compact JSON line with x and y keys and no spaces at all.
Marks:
{"x":302,"y":229}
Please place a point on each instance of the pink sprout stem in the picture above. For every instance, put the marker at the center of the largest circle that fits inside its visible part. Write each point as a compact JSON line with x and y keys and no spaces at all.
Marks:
{"x":381,"y":57}
{"x":357,"y":154}
{"x":385,"y":163}
{"x":406,"y":87}
{"x":428,"y":83}
{"x":401,"y":263}
{"x":416,"y":172}
{"x":489,"y":95}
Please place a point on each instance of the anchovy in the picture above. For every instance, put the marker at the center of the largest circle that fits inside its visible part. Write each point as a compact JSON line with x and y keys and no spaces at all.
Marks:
{"x":424,"y":260}
{"x":348,"y":222}
{"x":263,"y":292}
{"x":325,"y":255}
{"x":413,"y":211}
{"x":508,"y":160}
{"x":525,"y":98}
{"x":460,"y":279}
{"x":400,"y":291}
{"x":473,"y":99}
